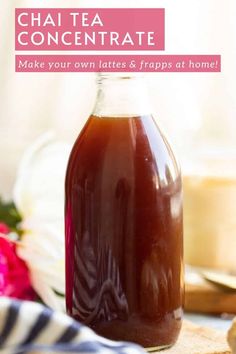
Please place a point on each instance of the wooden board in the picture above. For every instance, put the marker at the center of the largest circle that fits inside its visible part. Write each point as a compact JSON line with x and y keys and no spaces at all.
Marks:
{"x":208,"y":298}
{"x":199,"y":340}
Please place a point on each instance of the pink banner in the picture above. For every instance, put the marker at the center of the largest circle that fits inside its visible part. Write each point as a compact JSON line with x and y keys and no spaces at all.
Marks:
{"x":89,"y":29}
{"x":118,"y":63}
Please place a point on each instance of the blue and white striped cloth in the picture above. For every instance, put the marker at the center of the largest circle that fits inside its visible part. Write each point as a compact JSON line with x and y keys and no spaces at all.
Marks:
{"x":28,"y":327}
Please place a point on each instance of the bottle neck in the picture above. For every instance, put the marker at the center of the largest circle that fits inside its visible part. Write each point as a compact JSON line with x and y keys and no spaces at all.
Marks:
{"x":121,"y":96}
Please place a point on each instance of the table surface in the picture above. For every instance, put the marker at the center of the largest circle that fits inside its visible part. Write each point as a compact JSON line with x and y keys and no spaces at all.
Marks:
{"x":215,"y":322}
{"x":195,"y":339}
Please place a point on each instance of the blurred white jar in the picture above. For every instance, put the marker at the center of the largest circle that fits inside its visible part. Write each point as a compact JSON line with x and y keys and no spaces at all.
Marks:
{"x":210,"y":209}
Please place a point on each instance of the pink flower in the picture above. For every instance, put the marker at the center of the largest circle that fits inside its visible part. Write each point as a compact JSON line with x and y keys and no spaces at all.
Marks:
{"x":4,"y":229}
{"x":14,"y":274}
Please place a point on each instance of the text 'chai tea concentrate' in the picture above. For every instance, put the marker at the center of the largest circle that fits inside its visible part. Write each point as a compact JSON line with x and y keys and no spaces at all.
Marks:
{"x":123,"y":217}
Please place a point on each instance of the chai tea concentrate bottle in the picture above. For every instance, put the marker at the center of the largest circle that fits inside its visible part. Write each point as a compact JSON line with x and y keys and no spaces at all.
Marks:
{"x":123,"y":219}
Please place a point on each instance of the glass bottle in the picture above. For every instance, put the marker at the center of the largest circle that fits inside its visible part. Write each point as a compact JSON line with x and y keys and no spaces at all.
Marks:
{"x":123,"y":221}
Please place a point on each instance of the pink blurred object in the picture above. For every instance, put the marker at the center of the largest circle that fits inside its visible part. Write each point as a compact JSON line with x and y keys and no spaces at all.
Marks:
{"x":4,"y":229}
{"x":14,"y":274}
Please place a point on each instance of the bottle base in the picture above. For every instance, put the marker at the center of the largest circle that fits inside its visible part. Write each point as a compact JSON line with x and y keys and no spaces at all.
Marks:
{"x":158,"y":348}
{"x":152,"y":335}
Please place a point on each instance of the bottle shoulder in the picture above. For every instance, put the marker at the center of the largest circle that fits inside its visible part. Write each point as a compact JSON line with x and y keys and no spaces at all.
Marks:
{"x":129,"y":145}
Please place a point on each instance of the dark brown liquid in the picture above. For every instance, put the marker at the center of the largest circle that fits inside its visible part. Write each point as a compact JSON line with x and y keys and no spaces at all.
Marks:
{"x":124,"y":232}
